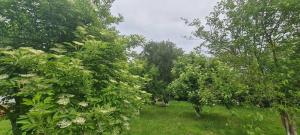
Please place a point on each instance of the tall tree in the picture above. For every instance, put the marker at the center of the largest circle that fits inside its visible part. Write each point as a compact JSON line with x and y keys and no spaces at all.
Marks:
{"x":43,"y":23}
{"x":160,"y":57}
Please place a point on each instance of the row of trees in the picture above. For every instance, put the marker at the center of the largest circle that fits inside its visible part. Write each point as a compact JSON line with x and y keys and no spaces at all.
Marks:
{"x":255,"y":60}
{"x":64,"y":69}
{"x":254,"y":48}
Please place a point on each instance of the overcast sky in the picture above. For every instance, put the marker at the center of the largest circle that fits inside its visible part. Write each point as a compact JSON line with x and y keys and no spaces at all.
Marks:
{"x":160,"y":19}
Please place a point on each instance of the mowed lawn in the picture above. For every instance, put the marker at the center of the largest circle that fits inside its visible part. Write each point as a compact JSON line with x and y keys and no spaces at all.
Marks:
{"x":179,"y":119}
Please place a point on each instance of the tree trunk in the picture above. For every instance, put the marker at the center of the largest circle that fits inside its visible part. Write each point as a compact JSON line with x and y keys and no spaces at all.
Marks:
{"x":288,"y":123}
{"x":166,"y":99}
{"x":198,"y":110}
{"x":15,"y":127}
{"x":14,"y":115}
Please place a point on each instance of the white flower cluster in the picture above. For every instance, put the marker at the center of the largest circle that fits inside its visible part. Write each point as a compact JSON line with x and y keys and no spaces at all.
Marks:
{"x":4,"y":76}
{"x":4,"y":19}
{"x":32,"y":50}
{"x":64,"y":99}
{"x":66,"y":96}
{"x":27,"y":75}
{"x":79,"y":120}
{"x":83,"y":104}
{"x":64,"y":123}
{"x":106,"y":110}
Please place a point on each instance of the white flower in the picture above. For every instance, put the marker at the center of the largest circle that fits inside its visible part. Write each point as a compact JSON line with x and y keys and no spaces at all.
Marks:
{"x":63,"y":101}
{"x":83,"y":104}
{"x":79,"y":120}
{"x":64,"y":123}
{"x":104,"y":111}
{"x":4,"y":19}
{"x":107,"y":110}
{"x":2,"y":77}
{"x":66,"y":96}
{"x":35,"y":3}
{"x":32,"y":50}
{"x":27,"y":75}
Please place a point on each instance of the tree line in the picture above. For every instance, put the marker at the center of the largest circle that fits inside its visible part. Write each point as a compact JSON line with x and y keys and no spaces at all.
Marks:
{"x":253,"y":59}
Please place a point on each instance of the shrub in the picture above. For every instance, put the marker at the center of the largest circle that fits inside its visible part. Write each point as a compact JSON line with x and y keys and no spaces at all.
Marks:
{"x":56,"y":94}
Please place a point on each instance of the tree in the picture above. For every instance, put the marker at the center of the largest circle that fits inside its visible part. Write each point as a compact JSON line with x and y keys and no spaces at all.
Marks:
{"x":160,"y":57}
{"x":206,"y":82}
{"x":43,"y":23}
{"x":259,"y":39}
{"x":181,"y":65}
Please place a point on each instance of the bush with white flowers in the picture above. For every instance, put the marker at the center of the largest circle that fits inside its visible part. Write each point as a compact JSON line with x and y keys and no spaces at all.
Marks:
{"x":59,"y":95}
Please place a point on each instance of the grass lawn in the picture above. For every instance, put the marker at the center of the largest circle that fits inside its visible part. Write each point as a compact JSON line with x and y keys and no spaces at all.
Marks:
{"x":5,"y":128}
{"x":180,"y":119}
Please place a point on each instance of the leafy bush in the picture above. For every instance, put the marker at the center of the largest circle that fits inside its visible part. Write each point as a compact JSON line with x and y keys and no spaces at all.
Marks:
{"x":81,"y":84}
{"x":57,"y":96}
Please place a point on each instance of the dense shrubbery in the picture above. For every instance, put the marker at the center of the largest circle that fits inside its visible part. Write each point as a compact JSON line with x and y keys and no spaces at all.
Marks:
{"x":80,"y":83}
{"x":57,"y":94}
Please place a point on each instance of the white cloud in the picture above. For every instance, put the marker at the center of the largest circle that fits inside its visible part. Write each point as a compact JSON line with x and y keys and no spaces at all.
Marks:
{"x":160,"y":19}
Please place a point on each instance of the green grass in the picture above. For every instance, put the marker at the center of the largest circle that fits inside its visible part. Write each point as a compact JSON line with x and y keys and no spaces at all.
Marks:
{"x":180,"y":119}
{"x":5,"y":128}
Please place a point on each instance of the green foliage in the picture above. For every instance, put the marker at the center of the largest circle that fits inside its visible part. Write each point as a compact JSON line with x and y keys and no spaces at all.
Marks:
{"x":160,"y":59}
{"x":42,"y":86}
{"x":256,"y":46}
{"x":206,"y":82}
{"x":57,"y":95}
{"x":260,"y":39}
{"x":81,"y":84}
{"x":185,"y":82}
{"x":162,"y":55}
{"x":43,"y":23}
{"x":106,"y":60}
